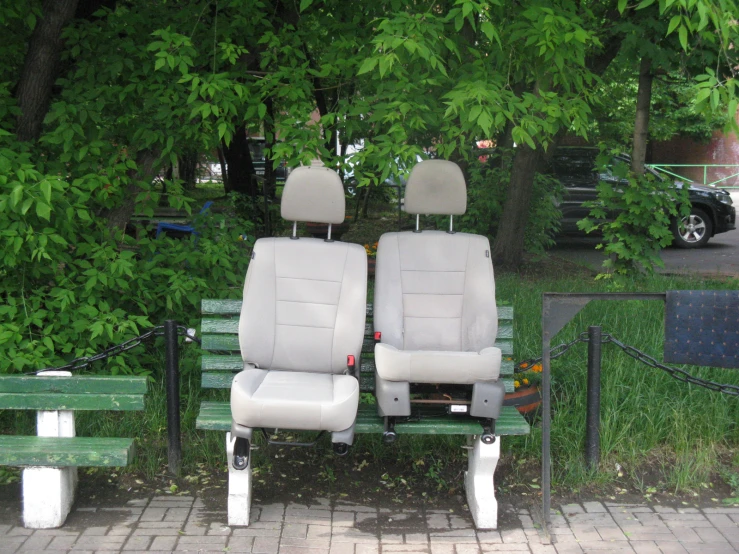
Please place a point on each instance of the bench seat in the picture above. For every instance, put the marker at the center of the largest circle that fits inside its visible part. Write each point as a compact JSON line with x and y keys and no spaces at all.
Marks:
{"x":25,"y":451}
{"x":216,"y":416}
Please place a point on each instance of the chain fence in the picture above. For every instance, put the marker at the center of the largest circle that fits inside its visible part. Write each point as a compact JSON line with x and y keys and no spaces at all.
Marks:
{"x":674,"y":372}
{"x":85,"y":361}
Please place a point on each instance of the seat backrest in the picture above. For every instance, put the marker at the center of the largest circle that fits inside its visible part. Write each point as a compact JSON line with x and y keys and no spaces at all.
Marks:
{"x":305,"y":299}
{"x":435,"y":290}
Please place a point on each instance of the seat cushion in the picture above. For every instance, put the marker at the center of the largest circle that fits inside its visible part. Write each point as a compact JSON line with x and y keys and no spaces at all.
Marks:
{"x":294,"y":400}
{"x":425,"y":366}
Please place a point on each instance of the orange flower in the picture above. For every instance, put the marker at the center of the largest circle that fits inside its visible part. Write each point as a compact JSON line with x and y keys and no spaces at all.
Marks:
{"x":537,"y":368}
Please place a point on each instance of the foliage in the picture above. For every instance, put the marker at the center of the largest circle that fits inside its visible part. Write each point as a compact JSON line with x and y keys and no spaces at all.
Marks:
{"x":673,"y":112}
{"x":486,"y":193}
{"x":643,"y":206}
{"x":69,"y":292}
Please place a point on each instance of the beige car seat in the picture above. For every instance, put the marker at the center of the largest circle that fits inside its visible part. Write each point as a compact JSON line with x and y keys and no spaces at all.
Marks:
{"x":435,"y":317}
{"x":302,"y":323}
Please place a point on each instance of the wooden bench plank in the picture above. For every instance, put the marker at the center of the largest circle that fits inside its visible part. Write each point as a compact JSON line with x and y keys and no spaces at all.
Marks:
{"x":45,"y":401}
{"x":65,"y":452}
{"x":77,"y":384}
{"x":216,"y":416}
{"x":234,"y":363}
{"x":510,"y":423}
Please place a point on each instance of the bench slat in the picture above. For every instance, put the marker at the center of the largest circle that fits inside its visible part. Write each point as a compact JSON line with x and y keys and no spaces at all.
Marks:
{"x":65,"y":452}
{"x":233,"y":307}
{"x":233,"y":362}
{"x":45,"y":401}
{"x":216,"y":416}
{"x":78,"y":384}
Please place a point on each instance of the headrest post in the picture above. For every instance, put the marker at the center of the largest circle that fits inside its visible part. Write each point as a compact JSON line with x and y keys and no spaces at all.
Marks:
{"x":418,"y":223}
{"x":328,"y":235}
{"x":451,"y":224}
{"x":295,"y":231}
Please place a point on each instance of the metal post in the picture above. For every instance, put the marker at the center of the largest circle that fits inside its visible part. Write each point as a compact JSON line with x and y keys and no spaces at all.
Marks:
{"x":174,"y":446}
{"x":546,"y":427}
{"x":592,"y":426}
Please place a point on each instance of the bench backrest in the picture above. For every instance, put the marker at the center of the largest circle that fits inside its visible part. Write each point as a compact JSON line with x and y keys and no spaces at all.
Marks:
{"x":78,"y":392}
{"x":220,"y":326}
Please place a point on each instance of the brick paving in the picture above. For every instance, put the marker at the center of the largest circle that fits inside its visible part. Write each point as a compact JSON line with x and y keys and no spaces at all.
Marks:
{"x":184,"y":524}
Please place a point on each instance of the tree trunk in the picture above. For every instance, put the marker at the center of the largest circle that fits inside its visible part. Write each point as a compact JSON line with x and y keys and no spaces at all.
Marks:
{"x":187,"y":167}
{"x":119,"y":217}
{"x":40,"y":67}
{"x":239,"y":165}
{"x":509,"y":242}
{"x":641,"y":122}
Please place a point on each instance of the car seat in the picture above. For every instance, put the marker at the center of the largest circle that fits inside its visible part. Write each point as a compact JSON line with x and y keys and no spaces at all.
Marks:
{"x":302,"y":323}
{"x":435,"y":317}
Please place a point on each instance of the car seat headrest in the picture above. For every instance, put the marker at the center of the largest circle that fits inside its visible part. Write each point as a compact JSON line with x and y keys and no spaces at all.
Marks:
{"x":436,"y":187}
{"x":313,"y":193}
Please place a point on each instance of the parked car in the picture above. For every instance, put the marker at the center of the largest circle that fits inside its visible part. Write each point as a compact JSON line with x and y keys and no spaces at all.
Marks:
{"x":711,"y":209}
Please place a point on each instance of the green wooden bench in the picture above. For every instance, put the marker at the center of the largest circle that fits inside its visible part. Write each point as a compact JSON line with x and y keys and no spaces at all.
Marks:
{"x":50,"y":459}
{"x":222,"y":360}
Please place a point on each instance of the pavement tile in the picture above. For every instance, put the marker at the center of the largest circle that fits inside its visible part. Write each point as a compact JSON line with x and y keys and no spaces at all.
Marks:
{"x":645,"y":547}
{"x":607,"y":547}
{"x":265,"y":545}
{"x":489,"y":537}
{"x":367,"y":549}
{"x":671,"y":547}
{"x":404,"y":548}
{"x":35,"y":542}
{"x":163,"y":543}
{"x":137,"y":543}
{"x":712,"y":548}
{"x":515,"y":547}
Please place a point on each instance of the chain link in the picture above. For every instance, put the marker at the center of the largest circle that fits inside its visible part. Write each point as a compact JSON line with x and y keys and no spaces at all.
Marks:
{"x":674,"y":372}
{"x":85,"y":361}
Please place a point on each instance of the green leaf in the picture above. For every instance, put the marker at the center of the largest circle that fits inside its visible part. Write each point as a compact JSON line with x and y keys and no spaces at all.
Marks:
{"x":159,"y":63}
{"x":46,"y":190}
{"x":621,"y":6}
{"x":674,"y":22}
{"x":26,"y":205}
{"x":43,"y":210}
{"x":644,"y":4}
{"x":367,"y":66}
{"x":16,"y":195}
{"x":304,"y":4}
{"x":683,"y":34}
{"x":262,"y":110}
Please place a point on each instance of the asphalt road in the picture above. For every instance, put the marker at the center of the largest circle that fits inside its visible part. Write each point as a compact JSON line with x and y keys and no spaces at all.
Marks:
{"x":719,"y":257}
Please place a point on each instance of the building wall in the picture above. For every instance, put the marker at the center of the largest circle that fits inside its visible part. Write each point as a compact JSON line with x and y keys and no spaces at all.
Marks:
{"x":723,"y":149}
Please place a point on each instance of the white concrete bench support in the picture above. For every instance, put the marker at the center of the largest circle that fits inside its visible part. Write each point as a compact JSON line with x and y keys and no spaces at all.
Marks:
{"x":478,"y":479}
{"x":48,"y":492}
{"x":239,"y":487}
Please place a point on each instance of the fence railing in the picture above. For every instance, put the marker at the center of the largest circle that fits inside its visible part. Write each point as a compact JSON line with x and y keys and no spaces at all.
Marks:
{"x":700,"y":173}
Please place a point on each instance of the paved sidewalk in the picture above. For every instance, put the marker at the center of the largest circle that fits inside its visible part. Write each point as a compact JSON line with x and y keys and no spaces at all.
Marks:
{"x":184,"y":524}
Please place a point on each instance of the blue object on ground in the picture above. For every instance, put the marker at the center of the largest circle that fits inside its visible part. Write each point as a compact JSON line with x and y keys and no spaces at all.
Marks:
{"x":183,"y":228}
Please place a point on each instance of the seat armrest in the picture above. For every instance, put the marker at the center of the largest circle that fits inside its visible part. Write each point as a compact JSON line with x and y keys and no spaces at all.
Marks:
{"x":428,"y":366}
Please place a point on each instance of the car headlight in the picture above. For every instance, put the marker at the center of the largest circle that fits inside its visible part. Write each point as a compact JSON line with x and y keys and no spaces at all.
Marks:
{"x":723,"y":197}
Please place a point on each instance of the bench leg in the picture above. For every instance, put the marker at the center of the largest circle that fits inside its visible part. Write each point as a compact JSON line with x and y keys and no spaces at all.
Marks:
{"x":478,"y":479}
{"x":48,"y":492}
{"x":239,"y":487}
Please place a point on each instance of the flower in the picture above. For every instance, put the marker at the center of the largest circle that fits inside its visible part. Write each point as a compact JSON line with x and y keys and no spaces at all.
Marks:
{"x":371,"y":250}
{"x":527,"y":374}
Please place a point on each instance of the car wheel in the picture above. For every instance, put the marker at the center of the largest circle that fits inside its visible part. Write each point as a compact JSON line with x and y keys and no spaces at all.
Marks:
{"x":692,"y":231}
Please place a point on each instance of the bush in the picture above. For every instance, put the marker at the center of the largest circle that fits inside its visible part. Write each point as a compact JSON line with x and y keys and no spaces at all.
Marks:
{"x":487,"y":189}
{"x":68,"y":288}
